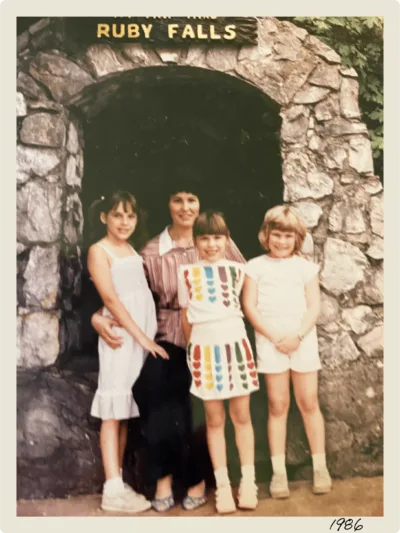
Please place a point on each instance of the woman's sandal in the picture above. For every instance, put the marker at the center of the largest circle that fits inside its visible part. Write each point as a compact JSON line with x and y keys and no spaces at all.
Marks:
{"x":190,"y":503}
{"x":247,"y":495}
{"x":224,"y":501}
{"x":161,"y":505}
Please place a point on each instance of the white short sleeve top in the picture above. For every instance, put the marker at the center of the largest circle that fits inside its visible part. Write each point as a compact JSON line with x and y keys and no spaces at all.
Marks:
{"x":281,"y":285}
{"x":211,"y":291}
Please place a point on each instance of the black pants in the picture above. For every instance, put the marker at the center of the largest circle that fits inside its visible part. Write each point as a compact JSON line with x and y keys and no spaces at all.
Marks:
{"x":163,"y":397}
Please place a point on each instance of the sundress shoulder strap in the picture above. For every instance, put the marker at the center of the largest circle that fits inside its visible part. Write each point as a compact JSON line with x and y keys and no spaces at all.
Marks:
{"x":106,"y":248}
{"x":133,"y":249}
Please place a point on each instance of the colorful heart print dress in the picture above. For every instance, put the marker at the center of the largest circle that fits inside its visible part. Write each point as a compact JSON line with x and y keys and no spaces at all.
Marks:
{"x":219,"y":353}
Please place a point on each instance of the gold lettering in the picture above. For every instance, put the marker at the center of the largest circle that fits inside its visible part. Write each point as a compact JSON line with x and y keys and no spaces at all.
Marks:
{"x":121,"y":30}
{"x":103,"y":30}
{"x":147,"y":30}
{"x":188,"y":31}
{"x":172,"y":29}
{"x":133,"y":31}
{"x":214,"y":35}
{"x":230,"y":32}
{"x":200,"y":33}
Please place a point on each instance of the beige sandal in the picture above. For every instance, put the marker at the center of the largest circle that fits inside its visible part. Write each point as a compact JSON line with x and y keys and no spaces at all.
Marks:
{"x":247,"y":496}
{"x":224,"y":501}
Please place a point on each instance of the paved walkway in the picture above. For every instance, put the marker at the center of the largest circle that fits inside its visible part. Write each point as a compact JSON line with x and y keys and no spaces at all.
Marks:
{"x":350,"y":497}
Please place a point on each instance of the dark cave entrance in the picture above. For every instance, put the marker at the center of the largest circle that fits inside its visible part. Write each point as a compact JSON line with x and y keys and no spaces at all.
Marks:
{"x":216,"y":132}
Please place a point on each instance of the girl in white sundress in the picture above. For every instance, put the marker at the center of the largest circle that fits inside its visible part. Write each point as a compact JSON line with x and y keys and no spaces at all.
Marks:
{"x":117,"y":272}
{"x":220,"y":358}
{"x":281,"y":299}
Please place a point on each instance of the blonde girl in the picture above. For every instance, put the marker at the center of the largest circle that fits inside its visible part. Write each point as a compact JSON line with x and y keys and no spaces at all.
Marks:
{"x":219,"y":354}
{"x":117,"y":272}
{"x":281,"y":299}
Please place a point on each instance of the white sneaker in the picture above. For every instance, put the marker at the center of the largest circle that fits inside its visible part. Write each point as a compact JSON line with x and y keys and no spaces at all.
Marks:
{"x":247,"y":495}
{"x":322,"y":481}
{"x":224,"y":501}
{"x":279,"y":487}
{"x":130,"y":489}
{"x":124,"y":500}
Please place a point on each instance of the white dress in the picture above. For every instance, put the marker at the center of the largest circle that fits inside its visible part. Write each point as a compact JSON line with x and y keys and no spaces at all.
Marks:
{"x":120,"y":368}
{"x":281,"y":300}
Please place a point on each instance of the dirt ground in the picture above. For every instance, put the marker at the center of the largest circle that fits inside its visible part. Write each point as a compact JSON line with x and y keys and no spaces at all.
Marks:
{"x":350,"y":497}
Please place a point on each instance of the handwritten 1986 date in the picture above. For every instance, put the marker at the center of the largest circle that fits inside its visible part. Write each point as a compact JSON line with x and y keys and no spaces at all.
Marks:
{"x":348,"y":524}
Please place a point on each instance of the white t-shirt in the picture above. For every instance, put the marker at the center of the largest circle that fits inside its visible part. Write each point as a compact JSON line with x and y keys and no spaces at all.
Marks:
{"x":211,"y":291}
{"x":281,"y":288}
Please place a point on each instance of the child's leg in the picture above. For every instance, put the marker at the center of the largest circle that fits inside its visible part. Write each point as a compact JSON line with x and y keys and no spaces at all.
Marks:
{"x":109,"y":445}
{"x":305,"y":386}
{"x":239,"y":409}
{"x":116,"y":496}
{"x":123,"y":439}
{"x":215,"y":423}
{"x":278,"y":390}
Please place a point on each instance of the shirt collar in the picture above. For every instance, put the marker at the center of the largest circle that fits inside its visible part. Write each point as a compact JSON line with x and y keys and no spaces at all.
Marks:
{"x":166,"y":243}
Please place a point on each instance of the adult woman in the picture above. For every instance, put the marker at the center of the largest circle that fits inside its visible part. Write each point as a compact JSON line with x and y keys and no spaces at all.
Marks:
{"x":162,"y":390}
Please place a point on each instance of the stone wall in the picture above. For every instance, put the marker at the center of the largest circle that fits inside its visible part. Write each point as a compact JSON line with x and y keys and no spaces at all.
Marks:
{"x":49,"y":222}
{"x":328,"y":175}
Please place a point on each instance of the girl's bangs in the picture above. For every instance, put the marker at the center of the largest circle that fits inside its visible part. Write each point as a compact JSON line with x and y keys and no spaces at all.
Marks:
{"x":128,"y":204}
{"x":210,"y":225}
{"x":284,"y":225}
{"x":285,"y":222}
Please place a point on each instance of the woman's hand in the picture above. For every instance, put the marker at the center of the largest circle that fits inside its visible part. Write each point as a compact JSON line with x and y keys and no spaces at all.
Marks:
{"x":288,"y":345}
{"x":154,"y":348}
{"x":103,"y":325}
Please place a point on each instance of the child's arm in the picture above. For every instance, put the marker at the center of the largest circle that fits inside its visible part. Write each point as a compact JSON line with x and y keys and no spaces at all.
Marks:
{"x":313,"y":299}
{"x":186,"y":326}
{"x":310,"y":317}
{"x":100,"y":273}
{"x":256,"y":319}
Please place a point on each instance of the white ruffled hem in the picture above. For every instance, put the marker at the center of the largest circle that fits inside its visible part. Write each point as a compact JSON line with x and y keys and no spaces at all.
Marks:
{"x":114,"y":406}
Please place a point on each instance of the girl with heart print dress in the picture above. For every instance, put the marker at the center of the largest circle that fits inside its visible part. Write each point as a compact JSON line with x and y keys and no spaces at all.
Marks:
{"x":219,"y":354}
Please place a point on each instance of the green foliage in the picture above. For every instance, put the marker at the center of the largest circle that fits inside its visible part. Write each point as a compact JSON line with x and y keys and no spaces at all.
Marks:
{"x":359,"y":42}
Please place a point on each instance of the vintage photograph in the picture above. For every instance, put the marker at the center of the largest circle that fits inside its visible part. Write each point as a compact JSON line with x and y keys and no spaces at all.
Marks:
{"x":200,"y":254}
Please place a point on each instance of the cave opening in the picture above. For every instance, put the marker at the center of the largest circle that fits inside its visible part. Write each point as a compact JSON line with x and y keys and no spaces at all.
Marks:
{"x":219,"y":134}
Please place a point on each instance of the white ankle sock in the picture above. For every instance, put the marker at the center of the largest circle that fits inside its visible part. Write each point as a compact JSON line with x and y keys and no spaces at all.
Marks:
{"x":120,"y":472}
{"x":221,"y":476}
{"x":319,"y":461}
{"x":248,"y":473}
{"x":114,"y":484}
{"x":278,"y":464}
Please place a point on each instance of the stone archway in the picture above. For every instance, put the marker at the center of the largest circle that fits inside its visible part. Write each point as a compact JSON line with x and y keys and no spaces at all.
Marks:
{"x":328,"y":176}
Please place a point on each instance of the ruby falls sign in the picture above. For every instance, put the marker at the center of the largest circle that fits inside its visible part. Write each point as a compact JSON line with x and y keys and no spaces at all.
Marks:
{"x":163,"y":30}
